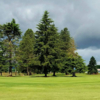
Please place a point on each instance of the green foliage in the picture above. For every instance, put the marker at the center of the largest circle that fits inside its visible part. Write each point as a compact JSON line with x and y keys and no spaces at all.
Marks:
{"x":3,"y":57}
{"x":46,"y":44}
{"x":65,"y":39}
{"x":74,"y":64}
{"x":98,"y":66}
{"x":80,"y":65}
{"x":92,"y":69}
{"x":11,"y":33}
{"x":42,"y":52}
{"x":26,"y":50}
{"x":1,"y":61}
{"x":64,"y":46}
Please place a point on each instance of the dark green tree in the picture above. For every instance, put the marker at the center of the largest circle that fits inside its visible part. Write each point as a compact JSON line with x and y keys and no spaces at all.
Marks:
{"x":78,"y":65}
{"x":2,"y":60}
{"x":65,"y":39}
{"x":2,"y":52}
{"x":46,"y":47}
{"x":54,"y":50}
{"x":75,"y":64}
{"x":11,"y":33}
{"x":25,"y":54}
{"x":92,"y":68}
{"x":65,"y":45}
{"x":98,"y":66}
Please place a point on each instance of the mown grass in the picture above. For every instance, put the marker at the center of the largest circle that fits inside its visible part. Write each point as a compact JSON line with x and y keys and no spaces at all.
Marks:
{"x":62,"y":87}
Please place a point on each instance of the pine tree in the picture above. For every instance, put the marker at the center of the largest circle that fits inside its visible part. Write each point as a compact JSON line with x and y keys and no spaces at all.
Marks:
{"x":54,"y":50}
{"x":65,"y":45}
{"x":11,"y":32}
{"x":25,"y":53}
{"x":92,"y":69}
{"x":71,"y":61}
{"x":72,"y":47}
{"x":65,"y":39}
{"x":46,"y":46}
{"x":76,"y":64}
{"x":2,"y":57}
{"x":79,"y":65}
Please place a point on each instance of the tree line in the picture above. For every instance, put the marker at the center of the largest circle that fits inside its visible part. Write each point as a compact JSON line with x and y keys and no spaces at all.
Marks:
{"x":43,"y":51}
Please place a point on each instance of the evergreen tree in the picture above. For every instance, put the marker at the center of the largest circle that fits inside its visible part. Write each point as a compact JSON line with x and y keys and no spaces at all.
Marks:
{"x":2,"y":52}
{"x":25,"y":54}
{"x":72,"y":47}
{"x":2,"y":59}
{"x":11,"y":32}
{"x":65,"y":45}
{"x":54,"y":50}
{"x":81,"y":67}
{"x":92,"y":68}
{"x":46,"y":47}
{"x":65,"y":39}
{"x":76,"y":64}
{"x":70,"y":56}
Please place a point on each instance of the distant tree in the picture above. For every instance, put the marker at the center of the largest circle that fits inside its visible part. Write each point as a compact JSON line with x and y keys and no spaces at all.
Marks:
{"x":25,"y":54}
{"x":98,"y":66}
{"x":92,"y":69}
{"x":11,"y":32}
{"x":46,"y":47}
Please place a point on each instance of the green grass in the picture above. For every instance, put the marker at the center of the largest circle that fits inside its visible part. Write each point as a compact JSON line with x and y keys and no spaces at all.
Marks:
{"x":83,"y":87}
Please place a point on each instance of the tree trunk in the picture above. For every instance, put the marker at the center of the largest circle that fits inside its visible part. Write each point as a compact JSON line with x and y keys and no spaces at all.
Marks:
{"x":54,"y":73}
{"x":10,"y":70}
{"x":10,"y":63}
{"x":30,"y":73}
{"x":1,"y":73}
{"x":10,"y":67}
{"x":45,"y":74}
{"x":73,"y":74}
{"x":66,"y":73}
{"x":45,"y":71}
{"x":27,"y":71}
{"x":15,"y":71}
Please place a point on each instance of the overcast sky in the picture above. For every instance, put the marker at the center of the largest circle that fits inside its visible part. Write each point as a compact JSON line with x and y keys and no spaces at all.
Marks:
{"x":81,"y":17}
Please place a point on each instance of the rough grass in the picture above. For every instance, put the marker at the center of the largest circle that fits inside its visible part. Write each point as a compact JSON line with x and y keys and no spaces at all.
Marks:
{"x":83,"y":87}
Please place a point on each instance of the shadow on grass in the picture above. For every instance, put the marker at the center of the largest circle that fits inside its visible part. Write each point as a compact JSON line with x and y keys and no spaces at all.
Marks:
{"x":48,"y":75}
{"x":55,"y":76}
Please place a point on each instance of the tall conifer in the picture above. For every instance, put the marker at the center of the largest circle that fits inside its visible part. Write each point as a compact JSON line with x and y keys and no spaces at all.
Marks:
{"x":26,"y":50}
{"x":46,"y":38}
{"x":92,"y":69}
{"x":11,"y":33}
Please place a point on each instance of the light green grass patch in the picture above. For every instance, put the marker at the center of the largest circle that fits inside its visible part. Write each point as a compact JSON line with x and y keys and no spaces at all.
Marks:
{"x":83,"y":87}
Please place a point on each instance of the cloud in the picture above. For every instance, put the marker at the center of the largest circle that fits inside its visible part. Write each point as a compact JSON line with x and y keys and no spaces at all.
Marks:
{"x":81,"y":17}
{"x":88,"y":53}
{"x":29,"y":12}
